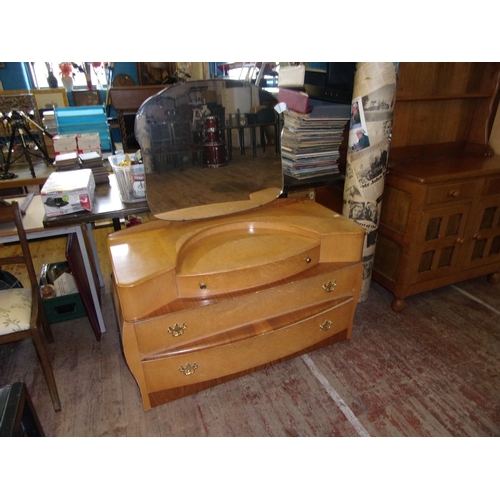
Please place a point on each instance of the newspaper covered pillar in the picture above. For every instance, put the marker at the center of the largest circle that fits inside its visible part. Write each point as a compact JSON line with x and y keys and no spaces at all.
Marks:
{"x":370,"y":130}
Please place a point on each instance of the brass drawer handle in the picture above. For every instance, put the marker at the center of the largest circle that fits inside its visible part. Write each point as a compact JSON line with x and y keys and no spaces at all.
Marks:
{"x":326,"y":325}
{"x":454,"y":193}
{"x":330,"y":286}
{"x":177,"y":330}
{"x":189,"y":369}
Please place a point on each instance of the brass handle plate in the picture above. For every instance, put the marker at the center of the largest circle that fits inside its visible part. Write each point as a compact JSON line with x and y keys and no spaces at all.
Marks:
{"x":326,"y":325}
{"x":330,"y":286}
{"x":189,"y":369}
{"x":177,"y":330}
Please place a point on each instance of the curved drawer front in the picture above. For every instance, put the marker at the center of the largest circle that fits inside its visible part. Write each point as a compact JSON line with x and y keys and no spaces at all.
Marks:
{"x":237,"y":256}
{"x":207,"y":364}
{"x":172,"y":330}
{"x":204,"y":285}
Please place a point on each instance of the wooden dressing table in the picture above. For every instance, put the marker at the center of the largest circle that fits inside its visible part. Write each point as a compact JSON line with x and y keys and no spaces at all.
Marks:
{"x":209,"y":293}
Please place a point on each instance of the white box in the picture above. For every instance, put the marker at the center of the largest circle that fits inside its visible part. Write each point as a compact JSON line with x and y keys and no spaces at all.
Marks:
{"x":89,"y":141}
{"x":64,"y":143}
{"x":68,"y":192}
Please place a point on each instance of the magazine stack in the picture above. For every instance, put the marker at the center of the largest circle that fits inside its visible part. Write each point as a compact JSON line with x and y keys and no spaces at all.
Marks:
{"x":310,"y":142}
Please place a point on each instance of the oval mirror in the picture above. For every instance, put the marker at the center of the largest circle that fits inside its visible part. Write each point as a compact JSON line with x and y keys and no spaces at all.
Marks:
{"x":209,"y":148}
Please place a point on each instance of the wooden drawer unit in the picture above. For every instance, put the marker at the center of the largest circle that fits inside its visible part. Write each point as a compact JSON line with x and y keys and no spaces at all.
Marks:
{"x":239,"y":293}
{"x":451,"y":226}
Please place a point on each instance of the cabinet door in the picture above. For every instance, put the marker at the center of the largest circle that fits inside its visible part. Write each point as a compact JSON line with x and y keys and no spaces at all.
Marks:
{"x":484,"y":246}
{"x":439,"y":243}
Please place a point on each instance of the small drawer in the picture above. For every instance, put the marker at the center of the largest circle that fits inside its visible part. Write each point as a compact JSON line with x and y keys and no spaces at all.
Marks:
{"x":198,"y":367}
{"x":445,"y":193}
{"x":164,"y":332}
{"x":491,"y":186}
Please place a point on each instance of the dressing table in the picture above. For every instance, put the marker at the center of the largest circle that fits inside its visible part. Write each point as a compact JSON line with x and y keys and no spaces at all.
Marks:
{"x":230,"y":278}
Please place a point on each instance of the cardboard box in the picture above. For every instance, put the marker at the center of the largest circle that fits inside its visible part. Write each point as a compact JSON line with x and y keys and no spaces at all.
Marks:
{"x":68,"y":192}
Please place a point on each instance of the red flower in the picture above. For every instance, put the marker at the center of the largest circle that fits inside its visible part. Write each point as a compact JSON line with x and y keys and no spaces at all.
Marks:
{"x":65,"y":69}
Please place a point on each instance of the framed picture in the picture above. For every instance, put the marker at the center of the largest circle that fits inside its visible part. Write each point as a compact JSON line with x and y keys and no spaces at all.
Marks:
{"x":50,"y":98}
{"x":18,"y":100}
{"x":86,"y":97}
{"x":155,"y":73}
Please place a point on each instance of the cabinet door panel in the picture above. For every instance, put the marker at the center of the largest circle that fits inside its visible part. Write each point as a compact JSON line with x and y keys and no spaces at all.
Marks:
{"x":484,"y":246}
{"x":439,"y":243}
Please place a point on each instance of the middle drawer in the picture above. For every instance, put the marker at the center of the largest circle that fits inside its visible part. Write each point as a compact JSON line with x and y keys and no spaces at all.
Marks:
{"x":172,"y":330}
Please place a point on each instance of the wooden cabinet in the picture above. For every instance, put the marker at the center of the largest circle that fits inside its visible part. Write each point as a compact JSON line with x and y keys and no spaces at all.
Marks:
{"x":202,"y":302}
{"x":440,"y":219}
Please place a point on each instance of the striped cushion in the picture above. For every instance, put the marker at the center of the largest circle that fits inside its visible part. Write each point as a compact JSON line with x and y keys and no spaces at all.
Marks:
{"x":15,"y":310}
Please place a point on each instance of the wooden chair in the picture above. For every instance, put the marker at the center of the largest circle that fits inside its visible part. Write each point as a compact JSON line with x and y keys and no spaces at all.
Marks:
{"x":21,"y":312}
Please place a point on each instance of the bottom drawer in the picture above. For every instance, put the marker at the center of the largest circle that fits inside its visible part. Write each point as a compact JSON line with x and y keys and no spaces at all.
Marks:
{"x":211,"y":363}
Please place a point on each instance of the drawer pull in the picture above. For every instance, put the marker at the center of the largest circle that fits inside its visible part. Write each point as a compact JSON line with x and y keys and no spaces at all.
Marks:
{"x":330,"y":286}
{"x":189,"y":369}
{"x":326,"y":325}
{"x":454,"y":193}
{"x":203,"y":286}
{"x":177,"y":330}
{"x":308,"y":260}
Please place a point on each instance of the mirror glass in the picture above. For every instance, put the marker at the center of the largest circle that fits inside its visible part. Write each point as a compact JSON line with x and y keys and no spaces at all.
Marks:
{"x":209,"y":148}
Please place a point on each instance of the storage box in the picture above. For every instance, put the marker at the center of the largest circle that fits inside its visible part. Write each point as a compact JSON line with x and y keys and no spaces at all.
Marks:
{"x":88,"y":142}
{"x":64,"y":143}
{"x":68,"y":192}
{"x":64,"y":307}
{"x":131,"y":179}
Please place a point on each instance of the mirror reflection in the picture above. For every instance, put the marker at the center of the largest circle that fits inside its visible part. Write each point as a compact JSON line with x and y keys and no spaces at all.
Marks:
{"x":209,"y":142}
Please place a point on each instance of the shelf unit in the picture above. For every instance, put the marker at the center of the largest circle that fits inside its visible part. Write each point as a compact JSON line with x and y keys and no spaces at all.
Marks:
{"x":84,"y":120}
{"x":440,"y":219}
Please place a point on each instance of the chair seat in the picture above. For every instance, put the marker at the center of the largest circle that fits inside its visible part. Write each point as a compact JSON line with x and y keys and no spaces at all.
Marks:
{"x":15,"y":310}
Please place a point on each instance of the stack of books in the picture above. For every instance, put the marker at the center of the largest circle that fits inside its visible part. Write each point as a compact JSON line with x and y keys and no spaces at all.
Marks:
{"x":67,"y":161}
{"x":95,"y":162}
{"x":310,"y":142}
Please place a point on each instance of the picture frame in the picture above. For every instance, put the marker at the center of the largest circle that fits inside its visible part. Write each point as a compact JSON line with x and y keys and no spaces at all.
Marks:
{"x":51,"y":98}
{"x":155,"y":73}
{"x":86,"y":98}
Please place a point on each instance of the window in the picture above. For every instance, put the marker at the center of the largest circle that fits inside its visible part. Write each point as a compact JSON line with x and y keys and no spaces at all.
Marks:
{"x":250,"y":71}
{"x":39,"y":73}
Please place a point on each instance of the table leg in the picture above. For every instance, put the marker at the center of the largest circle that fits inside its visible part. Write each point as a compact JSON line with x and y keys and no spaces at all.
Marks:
{"x":94,"y":253}
{"x":90,"y":276}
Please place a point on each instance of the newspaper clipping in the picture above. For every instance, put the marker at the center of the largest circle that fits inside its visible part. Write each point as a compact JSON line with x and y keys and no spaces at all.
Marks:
{"x":370,"y":130}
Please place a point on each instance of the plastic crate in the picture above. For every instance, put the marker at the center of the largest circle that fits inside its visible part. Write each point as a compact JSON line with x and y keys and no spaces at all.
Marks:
{"x":64,"y":308}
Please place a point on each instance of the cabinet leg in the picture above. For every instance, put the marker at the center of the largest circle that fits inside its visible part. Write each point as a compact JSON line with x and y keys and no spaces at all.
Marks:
{"x":398,"y":305}
{"x":493,"y":278}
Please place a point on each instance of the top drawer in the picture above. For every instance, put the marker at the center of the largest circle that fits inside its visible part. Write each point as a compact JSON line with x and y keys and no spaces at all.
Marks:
{"x":444,"y":193}
{"x":491,"y":186}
